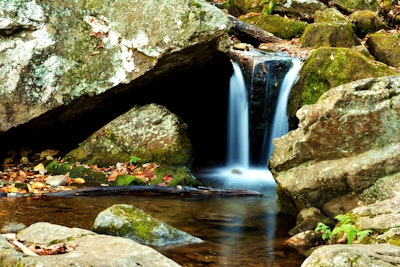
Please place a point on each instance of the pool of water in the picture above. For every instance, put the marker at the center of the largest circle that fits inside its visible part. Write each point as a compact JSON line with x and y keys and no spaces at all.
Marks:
{"x":237,"y":230}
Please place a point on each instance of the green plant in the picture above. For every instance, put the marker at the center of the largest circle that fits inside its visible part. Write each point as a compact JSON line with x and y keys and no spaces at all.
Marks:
{"x":268,"y":7}
{"x":134,"y":159}
{"x":345,"y":227}
{"x":325,"y":230}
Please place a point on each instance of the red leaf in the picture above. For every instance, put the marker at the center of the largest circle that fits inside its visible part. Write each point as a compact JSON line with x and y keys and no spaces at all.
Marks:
{"x":167,"y":178}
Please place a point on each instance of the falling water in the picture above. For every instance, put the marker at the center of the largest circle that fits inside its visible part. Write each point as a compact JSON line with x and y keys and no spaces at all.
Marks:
{"x":238,"y":121}
{"x":239,"y":171}
{"x":280,"y":124}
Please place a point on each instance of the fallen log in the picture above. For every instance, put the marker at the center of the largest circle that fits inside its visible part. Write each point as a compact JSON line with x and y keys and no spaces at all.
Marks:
{"x":252,"y":32}
{"x":152,"y":189}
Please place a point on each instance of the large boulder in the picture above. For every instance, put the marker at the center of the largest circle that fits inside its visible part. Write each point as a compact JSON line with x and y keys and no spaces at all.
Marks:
{"x":384,"y":46}
{"x":143,"y":135}
{"x":150,"y":133}
{"x":344,"y":144}
{"x":331,"y":28}
{"x":82,"y":248}
{"x":63,"y":59}
{"x":328,"y":67}
{"x":383,"y":255}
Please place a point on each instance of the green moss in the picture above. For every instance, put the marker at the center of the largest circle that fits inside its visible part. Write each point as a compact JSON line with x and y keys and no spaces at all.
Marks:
{"x":142,"y":224}
{"x":122,"y":180}
{"x":89,"y":175}
{"x":94,"y":4}
{"x":281,"y":27}
{"x":358,"y":5}
{"x":83,"y":68}
{"x":329,"y":67}
{"x":55,"y":167}
{"x":394,"y":240}
{"x":98,"y":151}
{"x":9,"y":263}
{"x":180,"y":176}
{"x":328,"y":35}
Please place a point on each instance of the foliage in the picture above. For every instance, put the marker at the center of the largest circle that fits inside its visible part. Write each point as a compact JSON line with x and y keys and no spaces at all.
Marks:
{"x":268,"y":7}
{"x":134,"y":159}
{"x":345,"y":228}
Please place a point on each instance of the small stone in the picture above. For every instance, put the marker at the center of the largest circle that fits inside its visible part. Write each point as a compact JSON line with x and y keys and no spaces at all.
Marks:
{"x":12,"y":227}
{"x":56,"y":180}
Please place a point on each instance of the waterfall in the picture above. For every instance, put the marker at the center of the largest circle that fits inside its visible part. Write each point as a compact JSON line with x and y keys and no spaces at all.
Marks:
{"x":238,"y":118}
{"x":239,"y":171}
{"x":280,"y":124}
{"x":238,"y":121}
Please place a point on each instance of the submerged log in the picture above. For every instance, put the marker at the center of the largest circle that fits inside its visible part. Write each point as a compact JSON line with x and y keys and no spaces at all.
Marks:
{"x":253,"y":32}
{"x":151,"y":189}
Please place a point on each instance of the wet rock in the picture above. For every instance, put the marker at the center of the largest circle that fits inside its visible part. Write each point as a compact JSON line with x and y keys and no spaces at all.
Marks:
{"x":131,"y":222}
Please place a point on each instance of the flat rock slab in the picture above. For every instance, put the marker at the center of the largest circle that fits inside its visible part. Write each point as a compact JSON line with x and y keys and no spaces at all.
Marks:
{"x":354,"y":255}
{"x":89,"y":249}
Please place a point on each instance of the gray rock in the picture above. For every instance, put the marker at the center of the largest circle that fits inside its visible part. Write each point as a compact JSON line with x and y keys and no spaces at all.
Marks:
{"x":151,"y":133}
{"x":382,"y":255}
{"x":56,"y":52}
{"x":131,"y":222}
{"x":88,"y":249}
{"x":345,"y":143}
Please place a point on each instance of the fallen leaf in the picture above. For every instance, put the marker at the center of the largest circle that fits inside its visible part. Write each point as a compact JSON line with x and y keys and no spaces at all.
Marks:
{"x":78,"y":181}
{"x":38,"y":167}
{"x":167,"y":178}
{"x":113,"y":175}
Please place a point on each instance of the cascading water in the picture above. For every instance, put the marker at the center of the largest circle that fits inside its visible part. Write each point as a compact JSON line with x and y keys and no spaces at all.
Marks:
{"x":280,"y":124}
{"x":238,"y":171}
{"x":238,"y":121}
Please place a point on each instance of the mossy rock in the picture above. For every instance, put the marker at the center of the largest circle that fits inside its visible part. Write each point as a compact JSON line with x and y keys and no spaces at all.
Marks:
{"x":123,"y":180}
{"x":329,"y":35}
{"x":90,"y":176}
{"x":285,"y":28}
{"x":330,"y":15}
{"x":327,"y":68}
{"x":56,"y":168}
{"x":366,"y":21}
{"x":93,"y":152}
{"x":351,"y":6}
{"x":133,"y":223}
{"x":385,"y":47}
{"x":180,"y":176}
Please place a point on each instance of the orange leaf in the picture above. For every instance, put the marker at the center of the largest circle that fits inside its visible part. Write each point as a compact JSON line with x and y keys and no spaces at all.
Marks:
{"x":113,"y":175}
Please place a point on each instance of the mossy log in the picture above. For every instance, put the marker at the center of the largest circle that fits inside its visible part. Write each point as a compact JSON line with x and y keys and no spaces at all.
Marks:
{"x":253,"y":32}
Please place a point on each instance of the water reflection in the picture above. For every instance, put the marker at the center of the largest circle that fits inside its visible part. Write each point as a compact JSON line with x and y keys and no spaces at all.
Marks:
{"x":239,"y":231}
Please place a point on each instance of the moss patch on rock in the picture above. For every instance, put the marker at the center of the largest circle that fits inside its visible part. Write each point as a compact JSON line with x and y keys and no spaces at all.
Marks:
{"x":327,"y":68}
{"x":281,"y":27}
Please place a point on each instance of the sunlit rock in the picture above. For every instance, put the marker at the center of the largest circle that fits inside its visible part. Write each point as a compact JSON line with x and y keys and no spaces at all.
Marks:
{"x":54,"y":53}
{"x":85,"y":248}
{"x":131,"y":222}
{"x":345,"y":143}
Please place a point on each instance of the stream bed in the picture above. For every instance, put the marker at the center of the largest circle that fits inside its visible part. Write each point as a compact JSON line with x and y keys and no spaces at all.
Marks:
{"x":237,"y":230}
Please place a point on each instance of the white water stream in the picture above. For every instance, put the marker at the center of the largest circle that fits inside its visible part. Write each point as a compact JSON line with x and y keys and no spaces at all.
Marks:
{"x":238,"y":170}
